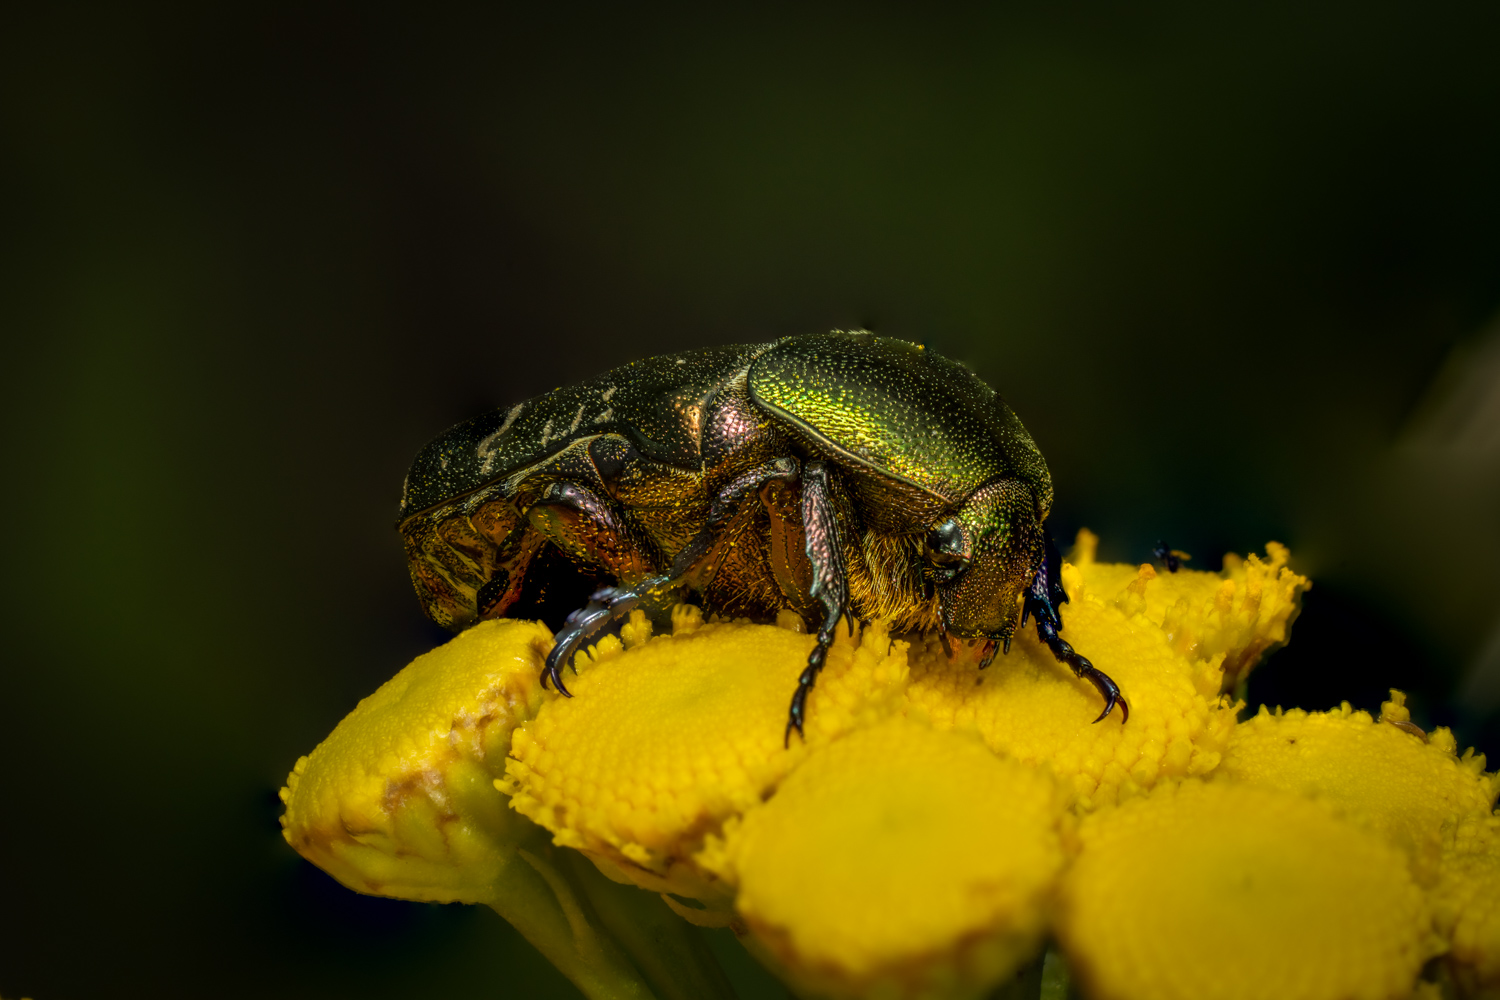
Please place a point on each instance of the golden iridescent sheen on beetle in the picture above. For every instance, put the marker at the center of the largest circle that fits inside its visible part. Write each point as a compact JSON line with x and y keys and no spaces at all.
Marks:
{"x":833,"y":475}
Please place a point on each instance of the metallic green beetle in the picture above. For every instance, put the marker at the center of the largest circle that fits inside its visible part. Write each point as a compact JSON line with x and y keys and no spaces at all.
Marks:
{"x":838,"y":474}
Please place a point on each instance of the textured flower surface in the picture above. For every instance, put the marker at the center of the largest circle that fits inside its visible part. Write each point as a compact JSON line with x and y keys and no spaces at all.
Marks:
{"x":939,"y":825}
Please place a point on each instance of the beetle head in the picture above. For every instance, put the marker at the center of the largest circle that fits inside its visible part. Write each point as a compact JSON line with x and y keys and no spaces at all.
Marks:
{"x":982,"y":558}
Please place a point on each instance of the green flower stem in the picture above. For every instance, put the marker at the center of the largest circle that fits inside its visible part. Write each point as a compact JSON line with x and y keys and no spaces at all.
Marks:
{"x":614,"y":942}
{"x":1046,"y":978}
{"x":533,"y":893}
{"x":666,"y":948}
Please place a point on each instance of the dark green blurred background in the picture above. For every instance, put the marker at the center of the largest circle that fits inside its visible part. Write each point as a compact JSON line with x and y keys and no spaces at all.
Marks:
{"x":1233,"y":265}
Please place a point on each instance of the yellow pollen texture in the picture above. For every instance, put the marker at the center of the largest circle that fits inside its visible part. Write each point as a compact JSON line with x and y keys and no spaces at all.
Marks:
{"x":1382,"y":776}
{"x":380,"y":804}
{"x":1467,"y":901}
{"x":1241,"y":613}
{"x":898,"y":861}
{"x":1163,"y":637}
{"x":1236,"y":893}
{"x":664,"y":741}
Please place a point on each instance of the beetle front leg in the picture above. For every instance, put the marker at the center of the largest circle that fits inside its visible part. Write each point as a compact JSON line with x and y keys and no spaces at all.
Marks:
{"x":1042,"y":598}
{"x":830,"y":583}
{"x":695,"y":565}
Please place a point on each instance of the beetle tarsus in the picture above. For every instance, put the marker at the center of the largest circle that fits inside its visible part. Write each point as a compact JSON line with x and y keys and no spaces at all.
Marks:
{"x":797,"y":713}
{"x":605,"y":606}
{"x":987,"y":654}
{"x":694,"y":565}
{"x":1045,"y":593}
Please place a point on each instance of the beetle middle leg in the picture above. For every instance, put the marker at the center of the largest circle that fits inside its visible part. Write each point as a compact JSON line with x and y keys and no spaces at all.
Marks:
{"x":1042,"y":598}
{"x":830,"y":582}
{"x":694,"y":566}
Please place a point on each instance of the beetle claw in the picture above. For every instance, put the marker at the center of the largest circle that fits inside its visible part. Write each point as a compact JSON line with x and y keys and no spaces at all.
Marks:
{"x":987,"y":655}
{"x":1048,"y":623}
{"x":553,"y":673}
{"x":1112,"y":697}
{"x":605,"y":606}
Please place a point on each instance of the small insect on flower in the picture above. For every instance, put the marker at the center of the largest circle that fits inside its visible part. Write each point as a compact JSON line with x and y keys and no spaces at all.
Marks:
{"x":1169,"y":557}
{"x":834,"y":475}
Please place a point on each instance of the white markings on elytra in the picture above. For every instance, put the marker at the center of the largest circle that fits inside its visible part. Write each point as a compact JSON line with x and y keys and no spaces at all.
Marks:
{"x":605,"y":417}
{"x":577,"y":418}
{"x":607,"y":394}
{"x":486,"y":449}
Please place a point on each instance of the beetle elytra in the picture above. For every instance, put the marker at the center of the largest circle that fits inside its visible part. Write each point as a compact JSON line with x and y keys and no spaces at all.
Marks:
{"x":838,"y":474}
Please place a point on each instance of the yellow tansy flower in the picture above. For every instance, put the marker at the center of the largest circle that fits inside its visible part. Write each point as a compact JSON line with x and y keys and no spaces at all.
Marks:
{"x":915,"y":843}
{"x":1241,"y":613}
{"x":1166,"y":640}
{"x":897,"y":862}
{"x":665,"y":741}
{"x":1467,"y":901}
{"x":1378,"y":774}
{"x":385,"y":776}
{"x":1225,"y":891}
{"x":400,"y":801}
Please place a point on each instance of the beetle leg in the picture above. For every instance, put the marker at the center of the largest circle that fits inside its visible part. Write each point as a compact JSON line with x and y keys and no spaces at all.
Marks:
{"x":695,"y":564}
{"x":1052,"y":563}
{"x":1040,"y":601}
{"x":591,"y":531}
{"x":830,"y":586}
{"x":605,"y":606}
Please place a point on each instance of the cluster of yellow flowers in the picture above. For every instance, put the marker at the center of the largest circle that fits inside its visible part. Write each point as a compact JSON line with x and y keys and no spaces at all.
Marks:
{"x":938,"y":826}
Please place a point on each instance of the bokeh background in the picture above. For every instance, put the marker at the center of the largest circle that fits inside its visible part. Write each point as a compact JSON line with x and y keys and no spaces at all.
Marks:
{"x":1235,"y":265}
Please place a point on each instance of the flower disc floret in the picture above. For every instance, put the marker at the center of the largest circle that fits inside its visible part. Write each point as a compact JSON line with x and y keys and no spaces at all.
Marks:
{"x":1383,"y":776}
{"x":1030,"y":706}
{"x":898,"y":861}
{"x":1467,"y":902}
{"x":1219,"y":890}
{"x":1236,"y":616}
{"x":664,"y":741}
{"x":380,"y":804}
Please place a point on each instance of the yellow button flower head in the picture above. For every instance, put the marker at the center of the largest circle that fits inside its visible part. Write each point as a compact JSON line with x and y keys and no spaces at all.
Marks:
{"x":1378,"y":774}
{"x":1467,"y":901}
{"x":663,"y":742}
{"x":1224,"y":891}
{"x":886,"y":855}
{"x":373,"y":805}
{"x":1164,"y":638}
{"x":898,"y":861}
{"x":400,"y":801}
{"x":1241,"y":613}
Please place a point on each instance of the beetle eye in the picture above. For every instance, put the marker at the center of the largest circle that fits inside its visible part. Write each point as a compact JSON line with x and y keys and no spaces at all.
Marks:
{"x":945,"y":546}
